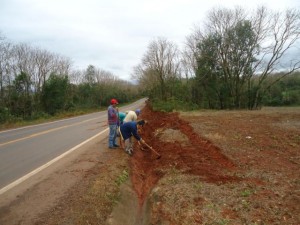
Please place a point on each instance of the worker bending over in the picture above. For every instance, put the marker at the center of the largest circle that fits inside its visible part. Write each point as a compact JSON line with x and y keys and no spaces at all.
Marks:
{"x":129,"y":129}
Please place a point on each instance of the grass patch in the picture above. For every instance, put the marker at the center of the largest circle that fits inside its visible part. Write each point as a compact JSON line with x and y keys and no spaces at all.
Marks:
{"x":122,"y":178}
{"x":172,"y":104}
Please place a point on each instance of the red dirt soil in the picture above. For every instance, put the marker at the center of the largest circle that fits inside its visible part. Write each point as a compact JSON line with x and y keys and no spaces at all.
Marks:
{"x":247,"y":162}
{"x":198,"y":156}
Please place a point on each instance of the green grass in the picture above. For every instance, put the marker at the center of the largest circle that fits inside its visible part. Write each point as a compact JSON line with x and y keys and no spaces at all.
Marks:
{"x":122,"y":178}
{"x":173,"y":105}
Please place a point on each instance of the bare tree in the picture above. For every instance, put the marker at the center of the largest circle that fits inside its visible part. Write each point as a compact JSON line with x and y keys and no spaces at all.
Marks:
{"x":105,"y":77}
{"x":278,"y":33}
{"x":61,"y":65}
{"x":159,"y":64}
{"x":76,"y":76}
{"x":5,"y":64}
{"x":24,"y":63}
{"x":146,"y":78}
{"x":43,"y":66}
{"x":190,"y":53}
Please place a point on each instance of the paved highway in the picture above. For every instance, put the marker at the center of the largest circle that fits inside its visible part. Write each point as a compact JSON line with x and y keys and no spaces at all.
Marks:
{"x":26,"y":150}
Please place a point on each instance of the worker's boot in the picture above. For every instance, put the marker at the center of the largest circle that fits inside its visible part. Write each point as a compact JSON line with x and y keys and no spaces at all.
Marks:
{"x":129,"y":151}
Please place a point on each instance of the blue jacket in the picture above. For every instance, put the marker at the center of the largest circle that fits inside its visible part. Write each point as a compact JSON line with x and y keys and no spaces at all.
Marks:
{"x":129,"y":129}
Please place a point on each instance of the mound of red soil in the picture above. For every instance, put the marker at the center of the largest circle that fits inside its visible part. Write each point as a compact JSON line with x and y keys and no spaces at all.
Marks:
{"x":198,"y":156}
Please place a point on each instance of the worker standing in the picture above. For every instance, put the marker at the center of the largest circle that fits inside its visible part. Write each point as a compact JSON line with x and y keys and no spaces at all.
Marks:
{"x":113,"y":121}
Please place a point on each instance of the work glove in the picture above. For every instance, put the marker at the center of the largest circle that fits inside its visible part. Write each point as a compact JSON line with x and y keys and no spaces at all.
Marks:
{"x":142,"y":141}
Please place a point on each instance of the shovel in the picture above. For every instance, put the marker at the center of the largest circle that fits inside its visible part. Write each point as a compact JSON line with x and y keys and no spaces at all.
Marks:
{"x":152,"y":149}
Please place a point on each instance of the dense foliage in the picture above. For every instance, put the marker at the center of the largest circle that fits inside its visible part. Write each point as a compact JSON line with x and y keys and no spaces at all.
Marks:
{"x":38,"y":84}
{"x":59,"y":95}
{"x":233,"y":62}
{"x":285,"y":92}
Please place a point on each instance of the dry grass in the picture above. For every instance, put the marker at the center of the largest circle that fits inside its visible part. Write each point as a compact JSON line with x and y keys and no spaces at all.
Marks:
{"x":93,"y":199}
{"x":177,"y":195}
{"x":184,"y":199}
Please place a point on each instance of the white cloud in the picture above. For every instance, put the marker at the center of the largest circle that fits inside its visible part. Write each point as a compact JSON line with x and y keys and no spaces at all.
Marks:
{"x":109,"y":34}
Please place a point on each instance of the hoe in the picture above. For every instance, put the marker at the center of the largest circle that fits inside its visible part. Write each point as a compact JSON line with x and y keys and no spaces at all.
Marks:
{"x":158,"y":156}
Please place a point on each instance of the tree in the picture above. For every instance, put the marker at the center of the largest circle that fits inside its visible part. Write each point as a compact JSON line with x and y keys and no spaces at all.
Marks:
{"x":42,"y":62}
{"x":284,"y":92}
{"x":90,"y":75}
{"x":248,"y":45}
{"x":278,"y":33}
{"x":159,"y":64}
{"x":54,"y":96}
{"x":190,"y":53}
{"x":20,"y":101}
{"x":5,"y":68}
{"x":208,"y":75}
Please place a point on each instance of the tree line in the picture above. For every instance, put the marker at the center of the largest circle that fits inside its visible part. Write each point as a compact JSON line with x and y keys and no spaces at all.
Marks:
{"x":37,"y":83}
{"x":233,"y":61}
{"x":285,"y":92}
{"x":238,"y":59}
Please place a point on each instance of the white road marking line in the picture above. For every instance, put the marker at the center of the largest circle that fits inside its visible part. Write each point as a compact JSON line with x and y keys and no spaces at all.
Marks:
{"x":46,"y":123}
{"x":25,"y":177}
{"x":44,"y":132}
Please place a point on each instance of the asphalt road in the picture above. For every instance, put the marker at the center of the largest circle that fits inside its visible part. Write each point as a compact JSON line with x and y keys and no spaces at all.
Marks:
{"x":29,"y":149}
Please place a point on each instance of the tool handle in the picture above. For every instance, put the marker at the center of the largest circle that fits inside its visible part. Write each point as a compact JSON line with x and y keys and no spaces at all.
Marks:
{"x":147,"y":145}
{"x":151,"y":149}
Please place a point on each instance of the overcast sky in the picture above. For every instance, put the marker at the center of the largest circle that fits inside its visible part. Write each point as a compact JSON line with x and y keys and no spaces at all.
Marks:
{"x":110,"y":34}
